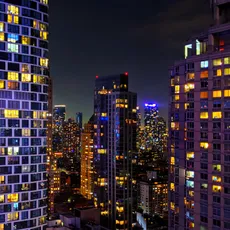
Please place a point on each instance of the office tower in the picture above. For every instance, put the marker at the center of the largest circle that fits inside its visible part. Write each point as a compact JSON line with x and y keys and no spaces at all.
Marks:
{"x":154,"y":128}
{"x":139,"y":137}
{"x":199,"y":149}
{"x":87,"y":160}
{"x":59,"y":114}
{"x":24,"y":74}
{"x":79,"y":119}
{"x":115,"y":143}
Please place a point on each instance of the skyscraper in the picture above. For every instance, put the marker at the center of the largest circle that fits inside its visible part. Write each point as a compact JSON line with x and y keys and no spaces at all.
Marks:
{"x":79,"y":119}
{"x":87,"y":160}
{"x":24,"y":74}
{"x":59,"y":114}
{"x":114,"y":142}
{"x":199,"y":137}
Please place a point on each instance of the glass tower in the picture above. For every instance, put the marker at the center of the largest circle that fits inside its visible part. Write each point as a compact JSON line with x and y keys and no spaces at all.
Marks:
{"x":24,"y":78}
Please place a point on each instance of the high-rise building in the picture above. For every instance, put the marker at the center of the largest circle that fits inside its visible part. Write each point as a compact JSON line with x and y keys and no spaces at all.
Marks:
{"x":24,"y":74}
{"x":154,"y":128}
{"x":199,"y":136}
{"x":79,"y":119}
{"x":115,"y":143}
{"x":59,"y":114}
{"x":87,"y":160}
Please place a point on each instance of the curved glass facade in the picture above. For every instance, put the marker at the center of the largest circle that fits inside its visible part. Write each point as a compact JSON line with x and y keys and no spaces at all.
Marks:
{"x":24,"y":77}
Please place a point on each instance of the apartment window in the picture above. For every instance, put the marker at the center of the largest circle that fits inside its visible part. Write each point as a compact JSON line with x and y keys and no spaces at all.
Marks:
{"x":11,"y":113}
{"x":204,"y":74}
{"x":204,"y":145}
{"x":216,"y":104}
{"x":216,"y":83}
{"x":216,"y":125}
{"x":204,"y":104}
{"x":217,"y":93}
{"x":204,"y":125}
{"x":12,"y":198}
{"x":2,"y":36}
{"x":216,"y":211}
{"x":204,"y":95}
{"x":216,"y":199}
{"x":204,"y":115}
{"x":204,"y":166}
{"x":217,"y":62}
{"x":227,"y":93}
{"x":203,"y":196}
{"x":43,"y":35}
{"x":25,"y":40}
{"x":13,"y":76}
{"x":216,"y":167}
{"x":216,"y":222}
{"x":217,"y":72}
{"x":227,"y":60}
{"x":26,"y":77}
{"x":204,"y":64}
{"x":44,"y":1}
{"x":44,"y":62}
{"x":227,"y":71}
{"x":190,"y":76}
{"x":216,"y":115}
{"x":12,"y":47}
{"x":204,"y":83}
{"x":13,"y":10}
{"x":1,"y":26}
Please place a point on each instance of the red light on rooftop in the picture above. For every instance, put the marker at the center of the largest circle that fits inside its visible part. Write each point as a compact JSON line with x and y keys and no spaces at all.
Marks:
{"x":96,"y":77}
{"x":126,"y":73}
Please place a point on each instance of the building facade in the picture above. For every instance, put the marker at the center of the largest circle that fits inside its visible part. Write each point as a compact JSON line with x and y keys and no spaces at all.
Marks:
{"x":199,"y":136}
{"x":87,"y":160}
{"x":24,"y":74}
{"x":114,"y":142}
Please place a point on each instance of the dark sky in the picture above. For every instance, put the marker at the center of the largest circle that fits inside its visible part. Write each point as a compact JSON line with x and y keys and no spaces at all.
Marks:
{"x":103,"y":37}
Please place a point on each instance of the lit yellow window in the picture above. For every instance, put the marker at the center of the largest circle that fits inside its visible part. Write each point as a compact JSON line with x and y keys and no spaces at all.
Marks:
{"x":26,"y":132}
{"x":44,"y":62}
{"x":203,"y":95}
{"x":217,"y":93}
{"x":177,"y":89}
{"x":177,"y":106}
{"x":216,"y":115}
{"x":227,"y":71}
{"x":9,"y":18}
{"x":11,"y":113}
{"x":172,"y":161}
{"x":204,"y":74}
{"x":227,"y":60}
{"x":227,"y":93}
{"x":1,"y":26}
{"x":175,"y":125}
{"x":190,"y":155}
{"x":13,"y":76}
{"x":219,"y":73}
{"x":216,"y":167}
{"x":216,"y":178}
{"x":42,"y":26}
{"x":216,"y":188}
{"x":12,"y":216}
{"x":204,"y":115}
{"x":190,"y":76}
{"x":172,"y":205}
{"x":25,"y":40}
{"x":177,"y":97}
{"x":44,"y":35}
{"x":190,"y":174}
{"x":2,"y":199}
{"x":101,"y":151}
{"x":172,"y":186}
{"x":12,"y":197}
{"x":2,"y":84}
{"x":44,"y":1}
{"x":172,"y":82}
{"x":188,"y":87}
{"x":217,"y":62}
{"x":2,"y":179}
{"x":13,"y":10}
{"x":2,"y":36}
{"x":16,"y":19}
{"x":104,"y":114}
{"x":26,"y":77}
{"x":204,"y":145}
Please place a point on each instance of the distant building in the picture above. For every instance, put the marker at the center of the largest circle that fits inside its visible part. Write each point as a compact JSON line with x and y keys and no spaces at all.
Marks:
{"x":115,"y":143}
{"x":87,"y":149}
{"x":59,"y":114}
{"x":79,"y":119}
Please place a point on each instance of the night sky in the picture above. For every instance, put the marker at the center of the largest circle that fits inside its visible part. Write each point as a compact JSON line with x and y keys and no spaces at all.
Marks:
{"x":103,"y":37}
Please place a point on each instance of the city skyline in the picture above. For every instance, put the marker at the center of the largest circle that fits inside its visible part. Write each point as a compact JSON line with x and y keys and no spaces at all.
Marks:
{"x":96,"y":47}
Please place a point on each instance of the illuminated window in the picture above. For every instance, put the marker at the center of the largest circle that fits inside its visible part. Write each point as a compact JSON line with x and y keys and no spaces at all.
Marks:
{"x":217,"y":93}
{"x":188,"y":87}
{"x":227,"y":60}
{"x":189,"y":184}
{"x":172,"y":82}
{"x":13,"y":85}
{"x":216,"y":115}
{"x":204,"y":145}
{"x":218,"y":72}
{"x":227,"y":71}
{"x":172,"y":205}
{"x":203,"y":95}
{"x":177,"y":89}
{"x":227,"y":93}
{"x":25,"y":68}
{"x":187,"y":50}
{"x":198,"y":47}
{"x":12,"y":48}
{"x":13,"y":38}
{"x":1,"y":26}
{"x":12,"y":197}
{"x":44,"y":1}
{"x":2,"y":199}
{"x":177,"y":97}
{"x":2,"y":180}
{"x":101,"y":151}
{"x":190,"y":76}
{"x":12,"y":216}
{"x":44,"y":62}
{"x":175,"y":125}
{"x":177,"y":106}
{"x":216,"y":188}
{"x":204,"y":115}
{"x":11,"y":113}
{"x":216,"y":167}
{"x":42,"y":26}
{"x":190,"y":174}
{"x":25,"y":40}
{"x":26,"y":77}
{"x":190,"y":155}
{"x":13,"y":10}
{"x":172,"y":161}
{"x":172,"y":186}
{"x":2,"y":84}
{"x":2,"y":36}
{"x":13,"y":76}
{"x":26,"y":132}
{"x":216,"y":178}
{"x":204,"y":74}
{"x":44,"y":35}
{"x":217,"y":62}
{"x":204,"y":64}
{"x":12,"y":19}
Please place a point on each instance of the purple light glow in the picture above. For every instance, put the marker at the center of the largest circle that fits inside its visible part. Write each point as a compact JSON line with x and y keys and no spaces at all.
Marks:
{"x":150,"y":105}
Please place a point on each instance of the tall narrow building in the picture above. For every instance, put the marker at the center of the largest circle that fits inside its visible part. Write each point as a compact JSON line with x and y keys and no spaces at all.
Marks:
{"x":115,"y":143}
{"x":199,"y":134}
{"x":24,"y":74}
